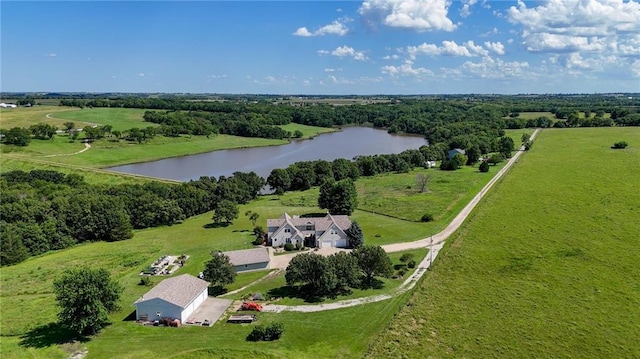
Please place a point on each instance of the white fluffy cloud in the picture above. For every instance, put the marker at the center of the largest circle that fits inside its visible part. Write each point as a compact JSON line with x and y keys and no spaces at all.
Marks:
{"x":417,"y":15}
{"x":576,"y":25}
{"x":635,"y":68}
{"x":451,"y":48}
{"x":347,"y":51}
{"x":496,"y":47}
{"x":465,"y":10}
{"x":406,"y":69}
{"x":491,"y":68}
{"x":335,"y":28}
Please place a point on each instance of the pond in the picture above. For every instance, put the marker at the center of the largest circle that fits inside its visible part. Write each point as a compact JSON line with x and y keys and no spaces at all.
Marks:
{"x":347,"y":143}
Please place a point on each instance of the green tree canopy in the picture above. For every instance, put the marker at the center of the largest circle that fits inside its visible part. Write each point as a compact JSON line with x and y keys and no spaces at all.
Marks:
{"x":355,"y":236}
{"x":225,"y":212}
{"x":373,"y":261}
{"x":314,"y":272}
{"x":219,"y":270}
{"x":279,"y":180}
{"x":86,"y":296}
{"x":338,"y":197}
{"x":17,"y":136}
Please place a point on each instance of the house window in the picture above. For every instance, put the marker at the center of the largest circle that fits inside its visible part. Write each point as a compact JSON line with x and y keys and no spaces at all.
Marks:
{"x":309,"y":228}
{"x":288,"y":240}
{"x":287,"y":230}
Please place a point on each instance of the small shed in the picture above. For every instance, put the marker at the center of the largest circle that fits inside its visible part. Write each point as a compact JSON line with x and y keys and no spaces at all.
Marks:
{"x":455,"y":151}
{"x":249,"y":259}
{"x":175,"y":298}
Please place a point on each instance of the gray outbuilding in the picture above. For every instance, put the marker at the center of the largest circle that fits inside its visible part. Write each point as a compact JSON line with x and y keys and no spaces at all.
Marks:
{"x":174,"y":298}
{"x":249,"y":259}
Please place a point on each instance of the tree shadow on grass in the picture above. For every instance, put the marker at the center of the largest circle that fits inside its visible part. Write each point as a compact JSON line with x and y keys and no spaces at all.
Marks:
{"x":217,"y":290}
{"x":48,"y":335}
{"x":375,"y":283}
{"x":215,"y":225}
{"x":294,"y":292}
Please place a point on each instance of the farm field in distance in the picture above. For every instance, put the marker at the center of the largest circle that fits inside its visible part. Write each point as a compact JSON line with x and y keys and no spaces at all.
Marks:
{"x":546,"y":266}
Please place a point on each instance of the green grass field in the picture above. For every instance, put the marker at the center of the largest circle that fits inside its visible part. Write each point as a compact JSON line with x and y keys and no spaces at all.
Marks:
{"x":397,"y":198}
{"x":307,"y":131}
{"x":120,"y":118}
{"x":547,"y":265}
{"x":27,"y":116}
{"x":516,"y":135}
{"x":91,"y":175}
{"x":105,"y":153}
{"x":110,"y":152}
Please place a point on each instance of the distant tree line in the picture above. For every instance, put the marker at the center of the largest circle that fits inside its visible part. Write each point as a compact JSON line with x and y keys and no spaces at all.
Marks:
{"x":45,"y":210}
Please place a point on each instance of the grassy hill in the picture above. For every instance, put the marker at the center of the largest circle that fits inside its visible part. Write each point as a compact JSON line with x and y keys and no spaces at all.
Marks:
{"x":546,"y":267}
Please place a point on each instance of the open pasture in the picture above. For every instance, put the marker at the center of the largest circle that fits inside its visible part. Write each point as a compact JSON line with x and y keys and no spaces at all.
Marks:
{"x":120,"y":119}
{"x":545,"y":267}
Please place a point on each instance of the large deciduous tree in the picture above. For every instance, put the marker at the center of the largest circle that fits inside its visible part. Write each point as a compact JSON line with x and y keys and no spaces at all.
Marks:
{"x":17,"y":136}
{"x":338,"y":197}
{"x":225,"y":212}
{"x":506,"y":146}
{"x":219,"y":270}
{"x":279,"y":180}
{"x":314,"y":272}
{"x":373,"y":261}
{"x":86,"y":296}
{"x":347,"y":271}
{"x":43,"y":131}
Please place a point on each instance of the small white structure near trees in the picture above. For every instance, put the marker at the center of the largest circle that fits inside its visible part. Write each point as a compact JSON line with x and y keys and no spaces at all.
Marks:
{"x":174,"y":298}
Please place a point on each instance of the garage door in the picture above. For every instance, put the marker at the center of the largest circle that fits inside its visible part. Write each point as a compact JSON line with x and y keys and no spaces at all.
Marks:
{"x":341,"y":243}
{"x":326,"y":244}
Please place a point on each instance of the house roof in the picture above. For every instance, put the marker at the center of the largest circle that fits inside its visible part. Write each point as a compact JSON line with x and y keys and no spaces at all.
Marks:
{"x":321,"y":224}
{"x":248,"y":256}
{"x":180,"y":290}
{"x":457,"y":150}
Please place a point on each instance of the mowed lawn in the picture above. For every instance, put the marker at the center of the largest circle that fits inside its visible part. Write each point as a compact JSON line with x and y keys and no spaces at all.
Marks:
{"x":547,"y":265}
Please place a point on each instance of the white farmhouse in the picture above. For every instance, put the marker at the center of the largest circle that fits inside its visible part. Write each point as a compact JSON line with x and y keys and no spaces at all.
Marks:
{"x":174,"y":298}
{"x":328,"y":231}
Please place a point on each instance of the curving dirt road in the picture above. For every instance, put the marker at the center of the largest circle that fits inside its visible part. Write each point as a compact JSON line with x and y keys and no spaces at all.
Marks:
{"x":435,"y":243}
{"x":87,"y":146}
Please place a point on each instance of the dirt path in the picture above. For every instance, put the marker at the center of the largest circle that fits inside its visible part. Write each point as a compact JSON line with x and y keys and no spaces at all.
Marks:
{"x":269,"y":275}
{"x":435,"y":243}
{"x":87,"y":146}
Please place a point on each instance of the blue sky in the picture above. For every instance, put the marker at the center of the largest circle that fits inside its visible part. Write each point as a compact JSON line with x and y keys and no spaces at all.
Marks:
{"x":322,"y":47}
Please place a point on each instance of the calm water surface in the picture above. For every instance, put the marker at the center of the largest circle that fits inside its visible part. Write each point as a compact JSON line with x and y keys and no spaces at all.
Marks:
{"x":348,"y":143}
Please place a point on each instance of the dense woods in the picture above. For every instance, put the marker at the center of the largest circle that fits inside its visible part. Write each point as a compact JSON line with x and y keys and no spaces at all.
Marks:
{"x":45,"y":210}
{"x":438,"y":118}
